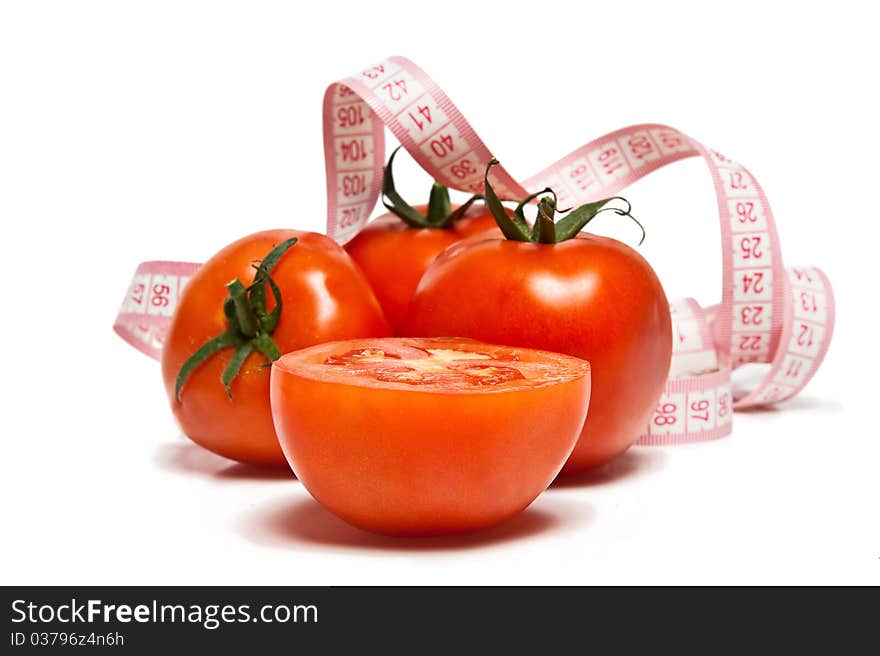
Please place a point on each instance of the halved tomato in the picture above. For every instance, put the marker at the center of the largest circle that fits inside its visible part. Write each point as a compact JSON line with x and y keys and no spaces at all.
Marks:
{"x":421,"y":436}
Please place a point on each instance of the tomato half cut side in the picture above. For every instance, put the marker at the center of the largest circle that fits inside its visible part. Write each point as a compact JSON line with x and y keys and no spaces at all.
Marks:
{"x":427,"y":436}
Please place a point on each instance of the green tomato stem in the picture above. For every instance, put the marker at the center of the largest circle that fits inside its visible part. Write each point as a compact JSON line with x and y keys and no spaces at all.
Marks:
{"x":249,"y":325}
{"x":247,"y":319}
{"x":439,"y":215}
{"x":546,"y":229}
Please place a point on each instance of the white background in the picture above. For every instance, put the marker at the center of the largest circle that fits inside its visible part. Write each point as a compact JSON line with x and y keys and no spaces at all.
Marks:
{"x":163,"y":130}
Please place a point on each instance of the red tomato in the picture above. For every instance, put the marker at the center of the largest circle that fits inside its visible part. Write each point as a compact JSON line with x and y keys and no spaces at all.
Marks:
{"x":588,"y":296}
{"x":394,"y":250}
{"x":394,"y":255}
{"x":427,"y":436}
{"x":325,"y":297}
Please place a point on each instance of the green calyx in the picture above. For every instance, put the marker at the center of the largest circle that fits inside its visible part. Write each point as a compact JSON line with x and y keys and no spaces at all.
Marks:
{"x":546,"y":229}
{"x":249,"y":324}
{"x":440,"y":214}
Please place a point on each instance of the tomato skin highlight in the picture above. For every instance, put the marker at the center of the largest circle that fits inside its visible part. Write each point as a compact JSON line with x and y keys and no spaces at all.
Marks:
{"x":400,"y":459}
{"x":393,"y":255}
{"x":325,"y":297}
{"x":591,"y":297}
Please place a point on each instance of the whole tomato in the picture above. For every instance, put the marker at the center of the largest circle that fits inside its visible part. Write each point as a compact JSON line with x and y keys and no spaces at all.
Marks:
{"x":395,"y":249}
{"x":552,"y":288}
{"x":266,"y":294}
{"x":414,"y":436}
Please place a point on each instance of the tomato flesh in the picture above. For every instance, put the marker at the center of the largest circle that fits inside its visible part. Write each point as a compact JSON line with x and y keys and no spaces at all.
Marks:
{"x":411,"y":436}
{"x":426,"y":369}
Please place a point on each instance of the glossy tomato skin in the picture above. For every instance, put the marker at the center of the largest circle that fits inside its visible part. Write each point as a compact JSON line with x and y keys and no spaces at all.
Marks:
{"x":325,"y":297}
{"x":403,"y":461}
{"x":591,"y":297}
{"x":394,"y":256}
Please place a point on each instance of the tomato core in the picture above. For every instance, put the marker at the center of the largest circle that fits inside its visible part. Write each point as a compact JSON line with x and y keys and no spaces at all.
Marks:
{"x":427,"y":366}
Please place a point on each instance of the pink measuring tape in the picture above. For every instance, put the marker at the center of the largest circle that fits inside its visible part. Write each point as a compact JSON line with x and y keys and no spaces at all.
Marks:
{"x":768,"y":314}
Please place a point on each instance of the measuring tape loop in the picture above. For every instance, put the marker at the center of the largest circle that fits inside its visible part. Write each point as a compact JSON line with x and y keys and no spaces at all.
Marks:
{"x":768,"y":314}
